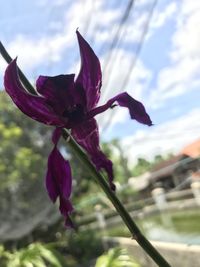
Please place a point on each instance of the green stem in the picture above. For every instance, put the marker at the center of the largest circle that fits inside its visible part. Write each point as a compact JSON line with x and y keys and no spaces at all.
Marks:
{"x":133,"y":228}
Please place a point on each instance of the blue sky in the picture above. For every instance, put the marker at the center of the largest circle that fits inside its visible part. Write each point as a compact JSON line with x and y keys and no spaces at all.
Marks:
{"x":164,"y":75}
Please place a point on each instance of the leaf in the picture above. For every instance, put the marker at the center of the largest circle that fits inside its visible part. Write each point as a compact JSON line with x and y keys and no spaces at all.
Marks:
{"x":38,"y":262}
{"x":35,"y":255}
{"x":48,"y":255}
{"x":116,"y":257}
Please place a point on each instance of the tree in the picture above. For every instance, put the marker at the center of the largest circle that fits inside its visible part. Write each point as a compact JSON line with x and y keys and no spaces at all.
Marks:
{"x":141,"y":167}
{"x":24,"y":149}
{"x":25,"y":145}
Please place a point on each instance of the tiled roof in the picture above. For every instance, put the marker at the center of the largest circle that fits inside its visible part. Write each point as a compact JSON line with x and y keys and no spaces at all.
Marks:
{"x":165,"y":168}
{"x":192,"y":150}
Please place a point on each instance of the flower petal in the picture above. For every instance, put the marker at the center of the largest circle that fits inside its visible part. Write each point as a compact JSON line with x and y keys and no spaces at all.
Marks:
{"x":87,"y":135}
{"x":90,"y":73}
{"x":100,"y":160}
{"x":136,"y":109}
{"x":32,"y":105}
{"x":51,"y":185}
{"x":65,"y":206}
{"x":65,"y":209}
{"x":59,"y":175}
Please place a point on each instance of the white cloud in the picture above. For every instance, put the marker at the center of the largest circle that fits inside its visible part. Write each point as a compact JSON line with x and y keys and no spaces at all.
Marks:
{"x":32,"y":52}
{"x":166,"y":138}
{"x":186,"y":40}
{"x":136,"y":85}
{"x":189,"y":6}
{"x":134,"y":34}
{"x":45,"y":3}
{"x":182,"y":74}
{"x":119,"y":68}
{"x":179,"y":77}
{"x":172,"y":80}
{"x":160,"y":18}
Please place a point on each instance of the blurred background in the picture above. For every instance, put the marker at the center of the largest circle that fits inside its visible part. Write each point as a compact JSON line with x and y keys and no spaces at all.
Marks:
{"x":149,"y":48}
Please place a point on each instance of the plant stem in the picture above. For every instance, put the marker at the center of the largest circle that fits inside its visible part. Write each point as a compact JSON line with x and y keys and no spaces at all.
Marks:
{"x":133,"y":228}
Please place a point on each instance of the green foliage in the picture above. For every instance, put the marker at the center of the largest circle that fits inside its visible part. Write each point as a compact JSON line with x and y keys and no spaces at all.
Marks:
{"x":84,"y":245}
{"x":35,"y":255}
{"x":24,"y":147}
{"x":116,"y":257}
{"x":127,"y":194}
{"x":141,"y":167}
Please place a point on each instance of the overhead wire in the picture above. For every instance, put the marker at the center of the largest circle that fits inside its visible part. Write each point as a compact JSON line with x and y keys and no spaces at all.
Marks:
{"x":94,"y":11}
{"x":116,"y":40}
{"x":117,"y":33}
{"x":133,"y":63}
{"x":97,"y":25}
{"x":139,"y":48}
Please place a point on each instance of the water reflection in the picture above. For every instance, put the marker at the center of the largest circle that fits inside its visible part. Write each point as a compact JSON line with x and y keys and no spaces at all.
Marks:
{"x":180,"y":227}
{"x":177,"y":227}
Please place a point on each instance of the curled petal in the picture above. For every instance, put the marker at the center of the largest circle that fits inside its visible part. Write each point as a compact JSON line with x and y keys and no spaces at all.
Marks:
{"x":90,"y":76}
{"x":87,"y":135}
{"x":32,"y":105}
{"x":136,"y":109}
{"x":59,"y":176}
{"x":65,"y":209}
{"x":65,"y":206}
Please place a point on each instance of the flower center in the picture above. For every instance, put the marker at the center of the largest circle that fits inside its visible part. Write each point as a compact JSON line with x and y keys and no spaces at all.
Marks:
{"x":75,"y":115}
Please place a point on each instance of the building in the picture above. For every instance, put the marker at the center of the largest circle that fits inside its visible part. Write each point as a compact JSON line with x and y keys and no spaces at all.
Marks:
{"x":174,"y":173}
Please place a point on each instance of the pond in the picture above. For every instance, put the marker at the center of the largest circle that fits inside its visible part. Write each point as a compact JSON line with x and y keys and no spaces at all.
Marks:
{"x":178,"y":227}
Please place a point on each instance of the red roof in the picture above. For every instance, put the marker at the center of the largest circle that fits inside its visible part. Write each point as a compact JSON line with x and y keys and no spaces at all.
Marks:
{"x":192,"y":150}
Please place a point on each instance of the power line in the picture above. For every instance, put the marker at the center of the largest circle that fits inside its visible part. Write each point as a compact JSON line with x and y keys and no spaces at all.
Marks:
{"x":89,"y":21}
{"x":116,"y":38}
{"x":122,"y":36}
{"x":139,"y":48}
{"x":97,"y":25}
{"x":132,"y":65}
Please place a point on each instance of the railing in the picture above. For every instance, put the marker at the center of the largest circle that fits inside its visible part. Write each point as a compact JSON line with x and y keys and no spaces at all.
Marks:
{"x":175,"y":200}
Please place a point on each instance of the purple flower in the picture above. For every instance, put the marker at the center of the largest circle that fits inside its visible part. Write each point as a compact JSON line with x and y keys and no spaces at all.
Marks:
{"x":64,"y":102}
